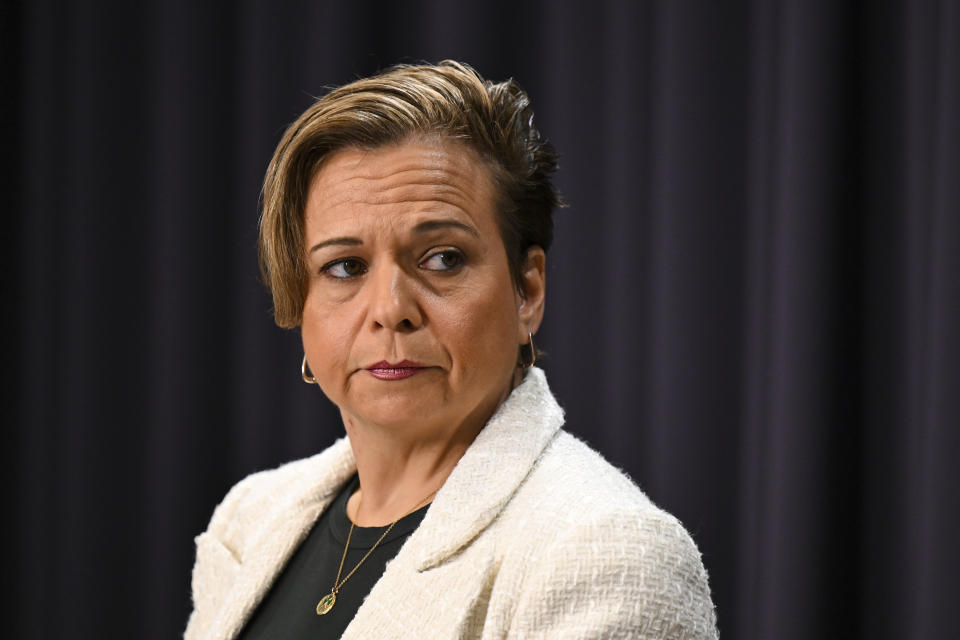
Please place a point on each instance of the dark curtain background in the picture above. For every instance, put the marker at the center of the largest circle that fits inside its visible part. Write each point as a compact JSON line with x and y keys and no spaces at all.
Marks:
{"x":753,"y":308}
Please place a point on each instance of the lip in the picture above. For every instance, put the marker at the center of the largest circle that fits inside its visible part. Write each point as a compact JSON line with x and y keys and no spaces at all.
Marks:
{"x":384,"y":370}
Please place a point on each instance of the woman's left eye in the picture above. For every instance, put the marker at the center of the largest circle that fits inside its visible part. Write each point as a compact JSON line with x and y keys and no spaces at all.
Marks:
{"x":443,"y":261}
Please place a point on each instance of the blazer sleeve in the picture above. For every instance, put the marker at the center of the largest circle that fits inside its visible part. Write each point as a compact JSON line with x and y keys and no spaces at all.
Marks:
{"x":621,"y":576}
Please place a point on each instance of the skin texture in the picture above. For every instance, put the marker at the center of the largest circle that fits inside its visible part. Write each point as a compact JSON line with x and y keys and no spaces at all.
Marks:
{"x":407,"y":263}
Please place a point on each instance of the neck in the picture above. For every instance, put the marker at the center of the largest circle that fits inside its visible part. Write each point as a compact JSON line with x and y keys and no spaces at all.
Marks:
{"x":395,"y":482}
{"x":400,"y":474}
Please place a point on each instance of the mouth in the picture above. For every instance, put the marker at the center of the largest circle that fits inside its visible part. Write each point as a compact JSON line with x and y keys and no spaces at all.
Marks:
{"x":384,"y":370}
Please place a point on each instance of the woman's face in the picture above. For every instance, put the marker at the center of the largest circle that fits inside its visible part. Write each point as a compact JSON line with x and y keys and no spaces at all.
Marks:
{"x":411,"y":321}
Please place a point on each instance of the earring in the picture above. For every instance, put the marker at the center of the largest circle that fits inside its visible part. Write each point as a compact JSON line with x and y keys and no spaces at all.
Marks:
{"x":303,"y":372}
{"x":533,"y":353}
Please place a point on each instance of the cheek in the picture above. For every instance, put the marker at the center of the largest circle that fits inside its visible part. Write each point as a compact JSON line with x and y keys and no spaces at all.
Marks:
{"x":326,"y":336}
{"x":483,"y":330}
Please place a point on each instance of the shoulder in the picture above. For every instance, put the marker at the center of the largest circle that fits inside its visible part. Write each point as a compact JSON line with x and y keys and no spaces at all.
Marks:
{"x":570,"y":474}
{"x":249,"y":502}
{"x":607,"y":560}
{"x":250,"y":528}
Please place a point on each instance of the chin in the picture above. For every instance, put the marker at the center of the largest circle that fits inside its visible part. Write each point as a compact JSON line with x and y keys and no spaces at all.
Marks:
{"x":397,"y":409}
{"x":399,"y":419}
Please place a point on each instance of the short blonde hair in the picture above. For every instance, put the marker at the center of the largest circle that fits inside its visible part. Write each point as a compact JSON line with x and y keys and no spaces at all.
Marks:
{"x":448,"y":99}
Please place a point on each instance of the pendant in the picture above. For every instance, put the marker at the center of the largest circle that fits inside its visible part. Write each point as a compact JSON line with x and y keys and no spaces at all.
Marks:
{"x":326,"y":603}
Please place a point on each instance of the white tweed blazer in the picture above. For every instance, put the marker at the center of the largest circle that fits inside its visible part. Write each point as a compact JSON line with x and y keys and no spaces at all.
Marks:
{"x":533,"y":535}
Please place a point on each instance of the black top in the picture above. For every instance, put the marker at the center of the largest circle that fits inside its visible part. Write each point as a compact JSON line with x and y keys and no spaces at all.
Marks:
{"x":289,"y":609}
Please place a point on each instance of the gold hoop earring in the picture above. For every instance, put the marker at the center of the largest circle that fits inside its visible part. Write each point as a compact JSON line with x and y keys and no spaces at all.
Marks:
{"x":533,"y":353}
{"x":303,"y":372}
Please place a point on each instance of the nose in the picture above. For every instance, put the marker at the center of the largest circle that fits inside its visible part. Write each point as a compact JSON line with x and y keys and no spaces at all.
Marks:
{"x":392,"y":299}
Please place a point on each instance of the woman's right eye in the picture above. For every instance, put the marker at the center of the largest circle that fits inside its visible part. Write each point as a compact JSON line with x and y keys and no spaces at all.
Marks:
{"x":344,"y":268}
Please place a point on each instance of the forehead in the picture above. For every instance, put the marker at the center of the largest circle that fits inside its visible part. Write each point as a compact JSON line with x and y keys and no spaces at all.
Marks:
{"x":399,"y":182}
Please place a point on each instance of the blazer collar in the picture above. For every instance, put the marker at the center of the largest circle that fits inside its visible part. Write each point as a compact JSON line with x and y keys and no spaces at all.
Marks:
{"x":489,"y":473}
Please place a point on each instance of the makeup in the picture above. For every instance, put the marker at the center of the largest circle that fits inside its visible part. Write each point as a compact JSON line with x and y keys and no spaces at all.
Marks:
{"x":384,"y":370}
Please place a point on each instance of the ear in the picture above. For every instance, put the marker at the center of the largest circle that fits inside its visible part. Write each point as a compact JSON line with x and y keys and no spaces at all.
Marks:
{"x":534,"y":283}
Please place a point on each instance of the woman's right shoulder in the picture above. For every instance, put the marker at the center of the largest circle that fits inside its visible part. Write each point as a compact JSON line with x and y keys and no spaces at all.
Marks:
{"x":251,"y":510}
{"x":256,"y":495}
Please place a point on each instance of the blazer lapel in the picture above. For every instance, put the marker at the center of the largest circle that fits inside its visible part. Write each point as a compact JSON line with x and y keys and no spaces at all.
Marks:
{"x":282,"y":531}
{"x":475,"y":493}
{"x":490,"y":472}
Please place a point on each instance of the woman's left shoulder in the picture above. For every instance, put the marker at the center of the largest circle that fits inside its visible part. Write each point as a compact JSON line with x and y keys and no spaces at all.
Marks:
{"x":579,"y":494}
{"x":607,"y":542}
{"x":569,"y":472}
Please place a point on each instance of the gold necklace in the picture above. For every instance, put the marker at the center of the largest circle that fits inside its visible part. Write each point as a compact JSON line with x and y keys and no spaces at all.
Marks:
{"x":326,"y":602}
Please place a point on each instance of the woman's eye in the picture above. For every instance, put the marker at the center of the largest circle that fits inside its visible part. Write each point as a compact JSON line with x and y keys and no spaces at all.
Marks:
{"x":443,"y":261}
{"x":346,"y":268}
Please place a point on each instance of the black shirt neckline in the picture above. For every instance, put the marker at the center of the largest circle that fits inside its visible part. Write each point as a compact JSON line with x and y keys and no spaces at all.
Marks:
{"x":366,"y":537}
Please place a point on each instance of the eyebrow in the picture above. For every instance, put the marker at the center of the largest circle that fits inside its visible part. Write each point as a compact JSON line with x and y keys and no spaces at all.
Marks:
{"x":426,"y":226}
{"x":432,"y":225}
{"x":345,"y":242}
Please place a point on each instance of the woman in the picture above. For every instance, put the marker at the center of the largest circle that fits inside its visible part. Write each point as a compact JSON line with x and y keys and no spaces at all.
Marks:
{"x":405,"y":223}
